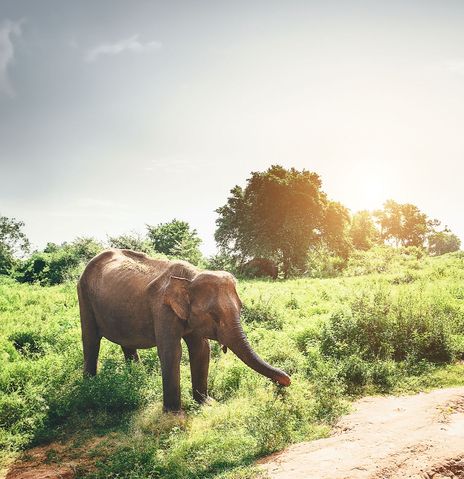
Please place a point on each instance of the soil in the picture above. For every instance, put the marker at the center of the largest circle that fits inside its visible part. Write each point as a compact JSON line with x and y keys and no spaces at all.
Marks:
{"x":60,"y":460}
{"x":419,"y":436}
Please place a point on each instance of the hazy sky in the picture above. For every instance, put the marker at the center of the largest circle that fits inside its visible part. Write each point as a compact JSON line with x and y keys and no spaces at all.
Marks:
{"x":114,"y":114}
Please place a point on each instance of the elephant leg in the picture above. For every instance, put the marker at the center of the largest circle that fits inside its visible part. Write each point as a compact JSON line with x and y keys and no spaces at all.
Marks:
{"x":90,"y":336}
{"x":199,"y":354}
{"x":91,"y":350}
{"x":170,"y":354}
{"x":130,"y":354}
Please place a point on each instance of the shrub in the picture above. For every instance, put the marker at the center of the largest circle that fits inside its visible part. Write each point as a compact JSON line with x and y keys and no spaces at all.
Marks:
{"x":384,"y":374}
{"x":135,"y":242}
{"x":323,"y":263}
{"x":28,"y":343}
{"x":383,"y":259}
{"x":328,"y":387}
{"x":221,"y":262}
{"x":118,"y":387}
{"x":57,"y":264}
{"x":354,"y":372}
{"x":261,"y":313}
{"x":378,"y":326}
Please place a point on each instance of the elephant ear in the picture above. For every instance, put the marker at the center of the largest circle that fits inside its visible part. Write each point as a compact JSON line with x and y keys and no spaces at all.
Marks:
{"x":177,"y":296}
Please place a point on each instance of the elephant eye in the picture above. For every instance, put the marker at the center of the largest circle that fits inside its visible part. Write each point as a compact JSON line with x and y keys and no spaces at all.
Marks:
{"x":215,"y":317}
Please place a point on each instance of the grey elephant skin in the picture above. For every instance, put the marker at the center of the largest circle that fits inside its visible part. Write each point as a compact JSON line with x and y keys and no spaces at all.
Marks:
{"x":260,"y":268}
{"x":139,"y":302}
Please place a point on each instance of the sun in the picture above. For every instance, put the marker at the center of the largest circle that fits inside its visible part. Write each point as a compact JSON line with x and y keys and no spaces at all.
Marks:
{"x":371,"y":187}
{"x":373,"y":193}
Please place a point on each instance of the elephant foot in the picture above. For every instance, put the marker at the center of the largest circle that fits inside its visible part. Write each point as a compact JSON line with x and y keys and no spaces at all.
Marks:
{"x":208,"y":401}
{"x":202,"y":398}
{"x":174,"y":412}
{"x":179,"y":415}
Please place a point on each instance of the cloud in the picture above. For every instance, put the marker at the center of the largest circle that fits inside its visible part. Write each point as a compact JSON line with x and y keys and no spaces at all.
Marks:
{"x":8,"y":29}
{"x":132,"y":44}
{"x":455,"y":66}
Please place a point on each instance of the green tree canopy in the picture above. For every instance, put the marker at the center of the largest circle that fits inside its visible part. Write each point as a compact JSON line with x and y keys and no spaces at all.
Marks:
{"x":442,"y":242}
{"x":363,"y":231}
{"x":13,"y":243}
{"x":176,"y":239}
{"x":134,"y":241}
{"x":403,"y":224}
{"x":279,"y":215}
{"x":335,"y":229}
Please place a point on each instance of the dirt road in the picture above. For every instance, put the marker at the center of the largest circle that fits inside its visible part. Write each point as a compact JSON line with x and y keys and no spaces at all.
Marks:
{"x":420,"y":436}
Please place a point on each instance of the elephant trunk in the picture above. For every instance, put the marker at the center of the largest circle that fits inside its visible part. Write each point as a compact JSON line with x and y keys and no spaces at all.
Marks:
{"x":237,"y":342}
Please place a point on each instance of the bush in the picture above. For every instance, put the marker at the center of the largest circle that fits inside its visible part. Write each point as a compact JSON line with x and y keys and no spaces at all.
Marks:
{"x":379,"y":326}
{"x":263,"y":314}
{"x":221,"y":262}
{"x":355,"y":372}
{"x":323,"y":263}
{"x":117,"y":388}
{"x":57,"y":264}
{"x":134,"y":242}
{"x":28,"y":343}
{"x":384,"y":374}
{"x":383,"y":259}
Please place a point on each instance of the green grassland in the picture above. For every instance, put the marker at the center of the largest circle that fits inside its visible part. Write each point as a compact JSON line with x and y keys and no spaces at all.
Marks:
{"x":392,"y":322}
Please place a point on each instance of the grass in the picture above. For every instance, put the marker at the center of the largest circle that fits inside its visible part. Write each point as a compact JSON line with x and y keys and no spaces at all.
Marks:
{"x":392,"y":323}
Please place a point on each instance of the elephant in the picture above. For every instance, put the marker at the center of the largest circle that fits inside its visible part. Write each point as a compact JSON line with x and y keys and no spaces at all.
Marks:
{"x":260,"y":267}
{"x":140,"y":302}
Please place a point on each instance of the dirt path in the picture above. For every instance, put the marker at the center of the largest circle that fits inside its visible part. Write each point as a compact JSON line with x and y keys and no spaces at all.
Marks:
{"x":419,"y":436}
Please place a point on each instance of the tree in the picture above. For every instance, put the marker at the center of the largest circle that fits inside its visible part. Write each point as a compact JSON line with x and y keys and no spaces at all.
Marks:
{"x":442,"y":242}
{"x":278,"y":216}
{"x":188,"y":249}
{"x":335,"y":229}
{"x":135,"y":242}
{"x":404,"y":224}
{"x":13,"y":243}
{"x":363,"y":231}
{"x":176,"y":239}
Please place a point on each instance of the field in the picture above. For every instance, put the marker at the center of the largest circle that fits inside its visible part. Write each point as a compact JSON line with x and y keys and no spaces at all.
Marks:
{"x":393,"y":321}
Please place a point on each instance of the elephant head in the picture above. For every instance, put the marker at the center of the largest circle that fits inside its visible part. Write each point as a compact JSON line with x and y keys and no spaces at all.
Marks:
{"x":211,"y":306}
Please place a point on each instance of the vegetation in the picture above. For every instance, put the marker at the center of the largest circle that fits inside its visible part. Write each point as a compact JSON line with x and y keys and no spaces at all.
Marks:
{"x":280,"y":215}
{"x":57,"y":263}
{"x":176,"y":239}
{"x":363,"y":232}
{"x":284,"y":216}
{"x":442,"y":242}
{"x":404,"y":224}
{"x":376,"y":304}
{"x":135,"y":242}
{"x":392,"y":320}
{"x":13,"y":243}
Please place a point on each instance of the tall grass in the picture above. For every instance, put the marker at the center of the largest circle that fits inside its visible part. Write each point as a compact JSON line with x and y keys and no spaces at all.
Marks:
{"x":401,"y":329}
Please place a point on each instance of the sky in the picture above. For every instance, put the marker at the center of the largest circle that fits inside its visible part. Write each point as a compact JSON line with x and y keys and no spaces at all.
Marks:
{"x":118,"y":114}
